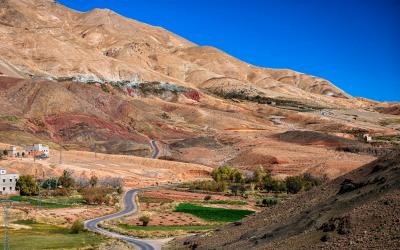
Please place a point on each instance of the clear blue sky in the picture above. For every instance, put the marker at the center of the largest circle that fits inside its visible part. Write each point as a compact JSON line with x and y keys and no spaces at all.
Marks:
{"x":353,"y":43}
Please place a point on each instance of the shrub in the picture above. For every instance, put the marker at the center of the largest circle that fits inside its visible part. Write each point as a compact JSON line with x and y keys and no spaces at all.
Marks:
{"x":66,"y":179}
{"x":93,"y":180}
{"x":61,"y":192}
{"x":77,"y":227}
{"x":27,"y":185}
{"x":310,"y":181}
{"x":99,"y":195}
{"x":237,"y":189}
{"x":274,"y":185}
{"x":294,"y":184}
{"x":145,"y":219}
{"x":50,"y":183}
{"x":207,"y":197}
{"x":258,"y":177}
{"x":270,"y":201}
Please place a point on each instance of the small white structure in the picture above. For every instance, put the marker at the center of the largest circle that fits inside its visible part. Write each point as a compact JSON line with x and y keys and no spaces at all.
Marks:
{"x":8,"y":182}
{"x":37,"y":149}
{"x":367,"y":137}
{"x":12,"y":151}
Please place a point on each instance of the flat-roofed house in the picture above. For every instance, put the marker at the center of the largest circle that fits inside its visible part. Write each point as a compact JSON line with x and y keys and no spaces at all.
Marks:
{"x":8,"y":182}
{"x":37,"y":149}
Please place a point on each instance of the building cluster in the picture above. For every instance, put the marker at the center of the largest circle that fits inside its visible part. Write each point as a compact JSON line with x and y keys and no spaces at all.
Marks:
{"x":8,"y":182}
{"x":35,"y":150}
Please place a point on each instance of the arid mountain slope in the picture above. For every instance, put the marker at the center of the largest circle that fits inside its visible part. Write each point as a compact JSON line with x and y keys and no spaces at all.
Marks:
{"x":41,"y":38}
{"x":79,"y":79}
{"x":360,"y":210}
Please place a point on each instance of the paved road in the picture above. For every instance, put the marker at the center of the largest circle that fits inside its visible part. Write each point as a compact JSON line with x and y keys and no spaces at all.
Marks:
{"x":130,"y":207}
{"x":155,"y":148}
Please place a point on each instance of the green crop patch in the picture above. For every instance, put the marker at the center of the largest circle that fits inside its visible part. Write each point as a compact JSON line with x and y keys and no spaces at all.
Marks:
{"x":43,"y":236}
{"x":213,"y":214}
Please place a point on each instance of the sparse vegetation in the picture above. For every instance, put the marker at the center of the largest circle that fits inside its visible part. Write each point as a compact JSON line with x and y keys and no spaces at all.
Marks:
{"x":99,"y":195}
{"x":44,"y":236}
{"x":145,"y":219}
{"x":66,"y":179}
{"x":270,"y":201}
{"x":207,"y":197}
{"x":226,"y":202}
{"x":77,"y":227}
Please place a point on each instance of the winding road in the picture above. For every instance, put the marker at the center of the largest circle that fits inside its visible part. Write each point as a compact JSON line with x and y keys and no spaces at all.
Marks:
{"x":155,"y":149}
{"x":130,"y":207}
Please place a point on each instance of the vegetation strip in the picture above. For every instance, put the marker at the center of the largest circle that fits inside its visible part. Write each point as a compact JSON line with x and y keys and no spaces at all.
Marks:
{"x":213,"y":214}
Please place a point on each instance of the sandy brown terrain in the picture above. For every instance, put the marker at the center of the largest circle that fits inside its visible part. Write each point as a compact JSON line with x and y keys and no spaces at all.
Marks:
{"x":358,"y":210}
{"x":136,"y":171}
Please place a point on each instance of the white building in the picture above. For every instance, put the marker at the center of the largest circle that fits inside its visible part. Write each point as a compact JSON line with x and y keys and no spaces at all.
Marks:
{"x":8,"y":182}
{"x":367,"y":137}
{"x":37,"y":149}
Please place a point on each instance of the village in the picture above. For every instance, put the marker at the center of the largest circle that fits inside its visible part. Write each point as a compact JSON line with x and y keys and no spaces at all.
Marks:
{"x":8,"y":181}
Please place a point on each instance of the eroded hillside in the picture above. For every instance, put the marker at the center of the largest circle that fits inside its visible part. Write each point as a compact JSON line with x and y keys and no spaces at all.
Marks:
{"x":359,"y":210}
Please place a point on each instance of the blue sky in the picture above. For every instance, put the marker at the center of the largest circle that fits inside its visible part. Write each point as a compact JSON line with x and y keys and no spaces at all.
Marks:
{"x":353,"y":43}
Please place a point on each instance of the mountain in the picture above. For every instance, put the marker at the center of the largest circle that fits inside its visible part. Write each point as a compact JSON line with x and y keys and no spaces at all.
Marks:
{"x":44,"y":39}
{"x":81,"y":80}
{"x":360,"y":210}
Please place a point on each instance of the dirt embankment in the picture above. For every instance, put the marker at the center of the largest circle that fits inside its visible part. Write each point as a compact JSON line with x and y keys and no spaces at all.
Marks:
{"x":359,"y":210}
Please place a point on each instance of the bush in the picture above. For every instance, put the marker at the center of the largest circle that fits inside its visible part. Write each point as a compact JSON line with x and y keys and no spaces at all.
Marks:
{"x":66,"y":179}
{"x":294,"y":184}
{"x":145,"y":219}
{"x":93,"y":180}
{"x":207,"y":197}
{"x":99,"y":195}
{"x":270,"y":201}
{"x":27,"y":185}
{"x":50,"y":183}
{"x":212,"y":186}
{"x":310,"y":181}
{"x":259,"y":176}
{"x":61,"y":192}
{"x":274,"y":185}
{"x":77,"y":227}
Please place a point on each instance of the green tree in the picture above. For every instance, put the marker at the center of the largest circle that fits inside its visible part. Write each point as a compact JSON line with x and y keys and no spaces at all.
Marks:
{"x":259,"y":175}
{"x":228,"y":174}
{"x":294,"y":184}
{"x":66,"y":179}
{"x":50,"y":183}
{"x":27,"y":185}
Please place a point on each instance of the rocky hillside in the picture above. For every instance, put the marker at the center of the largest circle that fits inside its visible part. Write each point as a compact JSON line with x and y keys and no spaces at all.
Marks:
{"x":43,"y":39}
{"x":85,"y":80}
{"x":360,"y":210}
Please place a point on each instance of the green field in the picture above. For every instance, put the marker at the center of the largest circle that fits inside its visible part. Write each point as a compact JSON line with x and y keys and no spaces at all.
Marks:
{"x":168,"y":228}
{"x":213,"y":214}
{"x":52,"y":202}
{"x":43,"y":236}
{"x":226,"y":202}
